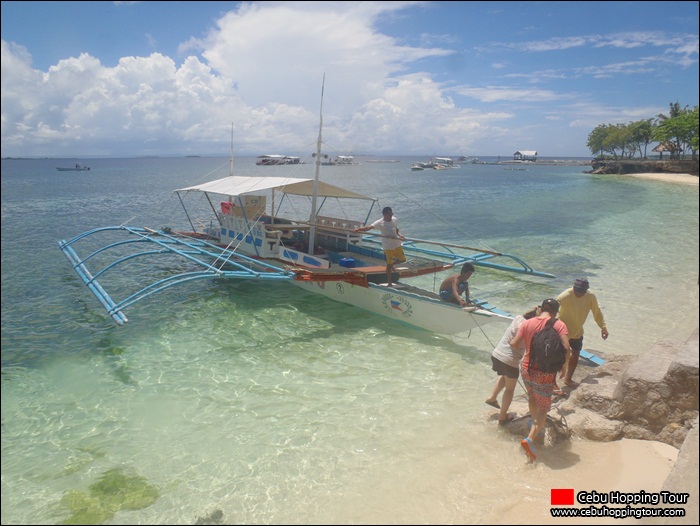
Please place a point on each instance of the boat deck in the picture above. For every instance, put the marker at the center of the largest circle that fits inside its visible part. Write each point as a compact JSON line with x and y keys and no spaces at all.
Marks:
{"x":413,"y":266}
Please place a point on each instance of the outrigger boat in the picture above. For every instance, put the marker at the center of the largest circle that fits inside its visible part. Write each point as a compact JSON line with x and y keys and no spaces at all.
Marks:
{"x":254,"y":234}
{"x":77,"y":168}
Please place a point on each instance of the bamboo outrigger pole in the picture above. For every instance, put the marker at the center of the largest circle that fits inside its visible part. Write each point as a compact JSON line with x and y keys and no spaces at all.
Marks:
{"x":454,"y":246}
{"x":439,"y":243}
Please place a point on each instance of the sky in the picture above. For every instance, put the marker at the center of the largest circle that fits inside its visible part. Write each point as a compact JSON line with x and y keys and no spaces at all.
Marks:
{"x":131,"y":79}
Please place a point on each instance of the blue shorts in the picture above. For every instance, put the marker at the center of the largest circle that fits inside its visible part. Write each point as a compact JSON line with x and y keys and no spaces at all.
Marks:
{"x":446,"y":295}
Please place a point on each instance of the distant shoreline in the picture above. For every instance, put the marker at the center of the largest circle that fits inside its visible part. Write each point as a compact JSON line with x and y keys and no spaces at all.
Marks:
{"x":555,"y":162}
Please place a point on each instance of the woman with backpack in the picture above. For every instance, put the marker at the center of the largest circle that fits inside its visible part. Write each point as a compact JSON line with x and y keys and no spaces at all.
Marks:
{"x":546,"y":347}
{"x":506,"y":363}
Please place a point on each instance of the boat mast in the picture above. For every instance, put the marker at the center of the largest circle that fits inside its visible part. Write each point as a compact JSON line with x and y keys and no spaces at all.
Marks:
{"x":314,"y":196}
{"x":230,"y":164}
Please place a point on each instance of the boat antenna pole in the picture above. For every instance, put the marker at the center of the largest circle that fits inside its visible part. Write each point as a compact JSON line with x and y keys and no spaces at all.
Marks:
{"x":314,"y":196}
{"x":230,"y":164}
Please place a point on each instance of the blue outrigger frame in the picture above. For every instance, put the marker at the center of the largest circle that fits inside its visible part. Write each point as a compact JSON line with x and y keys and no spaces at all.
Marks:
{"x":218,"y":262}
{"x":215,"y":261}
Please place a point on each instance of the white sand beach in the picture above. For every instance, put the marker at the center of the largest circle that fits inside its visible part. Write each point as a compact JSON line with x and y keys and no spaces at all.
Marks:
{"x":669,"y":178}
{"x":625,"y":465}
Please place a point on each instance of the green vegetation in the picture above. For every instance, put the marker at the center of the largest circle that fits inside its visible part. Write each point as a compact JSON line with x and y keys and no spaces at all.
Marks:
{"x":114,"y":491}
{"x":677,"y":132}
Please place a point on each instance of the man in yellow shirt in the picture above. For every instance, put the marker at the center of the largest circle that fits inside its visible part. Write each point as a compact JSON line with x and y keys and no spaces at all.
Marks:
{"x":575,"y":304}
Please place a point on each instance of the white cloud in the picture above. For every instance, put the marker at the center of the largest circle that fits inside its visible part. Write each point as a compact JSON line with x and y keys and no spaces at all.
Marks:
{"x":510,"y":94}
{"x":261,"y":67}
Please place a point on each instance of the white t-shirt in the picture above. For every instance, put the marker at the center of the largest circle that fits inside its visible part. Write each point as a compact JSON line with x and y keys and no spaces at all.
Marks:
{"x":390,"y":229}
{"x":503,"y":351}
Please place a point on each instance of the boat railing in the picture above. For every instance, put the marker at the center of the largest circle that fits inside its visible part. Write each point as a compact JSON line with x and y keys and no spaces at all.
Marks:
{"x":335,"y":223}
{"x":336,"y":233}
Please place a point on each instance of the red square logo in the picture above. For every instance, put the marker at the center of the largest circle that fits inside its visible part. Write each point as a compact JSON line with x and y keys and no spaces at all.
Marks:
{"x":562,"y":497}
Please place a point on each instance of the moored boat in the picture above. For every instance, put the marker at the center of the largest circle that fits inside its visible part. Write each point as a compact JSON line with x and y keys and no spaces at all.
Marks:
{"x":340,"y":160}
{"x":77,"y":168}
{"x":256,"y":233}
{"x":274,"y":159}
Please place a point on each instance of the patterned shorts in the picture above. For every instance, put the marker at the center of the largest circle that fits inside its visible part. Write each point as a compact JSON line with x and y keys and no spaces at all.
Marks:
{"x":539,"y":386}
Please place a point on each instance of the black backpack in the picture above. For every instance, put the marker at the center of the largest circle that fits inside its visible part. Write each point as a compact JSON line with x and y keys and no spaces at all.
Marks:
{"x":547,"y":353}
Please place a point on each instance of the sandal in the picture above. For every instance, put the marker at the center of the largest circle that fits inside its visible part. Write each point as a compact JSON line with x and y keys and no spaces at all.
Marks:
{"x":528,"y":449}
{"x":571,"y":384}
{"x":559,"y":392}
{"x":509,"y":418}
{"x":494,"y":404}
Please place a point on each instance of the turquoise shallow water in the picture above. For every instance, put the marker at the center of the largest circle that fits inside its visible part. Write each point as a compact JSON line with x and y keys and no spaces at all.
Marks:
{"x":276,"y":406}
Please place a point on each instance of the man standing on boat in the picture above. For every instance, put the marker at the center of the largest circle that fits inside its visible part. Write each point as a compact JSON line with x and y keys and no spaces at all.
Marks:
{"x":391,"y":240}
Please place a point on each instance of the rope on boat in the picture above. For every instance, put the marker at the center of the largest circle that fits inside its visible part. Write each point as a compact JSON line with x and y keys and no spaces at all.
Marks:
{"x":442,"y":220}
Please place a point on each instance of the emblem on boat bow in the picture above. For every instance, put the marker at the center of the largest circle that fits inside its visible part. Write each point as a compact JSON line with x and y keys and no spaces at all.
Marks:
{"x":394,"y":304}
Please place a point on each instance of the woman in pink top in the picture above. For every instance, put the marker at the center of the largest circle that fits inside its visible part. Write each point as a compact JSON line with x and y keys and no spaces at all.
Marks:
{"x":538,"y":384}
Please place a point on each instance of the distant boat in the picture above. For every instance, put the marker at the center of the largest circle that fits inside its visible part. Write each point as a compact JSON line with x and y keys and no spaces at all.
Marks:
{"x":469,"y":160}
{"x":270,"y":160}
{"x":77,"y":168}
{"x":437,"y":163}
{"x":341,"y":160}
{"x":416,"y":167}
{"x":444,"y":162}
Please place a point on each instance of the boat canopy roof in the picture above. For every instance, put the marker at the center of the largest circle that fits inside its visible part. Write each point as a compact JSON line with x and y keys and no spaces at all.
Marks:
{"x":238,"y":185}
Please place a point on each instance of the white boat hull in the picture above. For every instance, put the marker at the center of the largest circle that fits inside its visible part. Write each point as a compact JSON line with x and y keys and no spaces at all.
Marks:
{"x":406,"y":307}
{"x":404,"y":303}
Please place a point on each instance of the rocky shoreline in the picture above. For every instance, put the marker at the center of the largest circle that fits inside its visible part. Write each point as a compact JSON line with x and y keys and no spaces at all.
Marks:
{"x":653,"y":396}
{"x":632,"y":166}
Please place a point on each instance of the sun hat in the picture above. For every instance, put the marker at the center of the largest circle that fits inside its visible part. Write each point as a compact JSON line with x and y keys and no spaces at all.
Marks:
{"x":581,"y":285}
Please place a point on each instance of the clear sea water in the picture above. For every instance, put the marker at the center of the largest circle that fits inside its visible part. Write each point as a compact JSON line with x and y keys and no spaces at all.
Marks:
{"x":276,"y":406}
